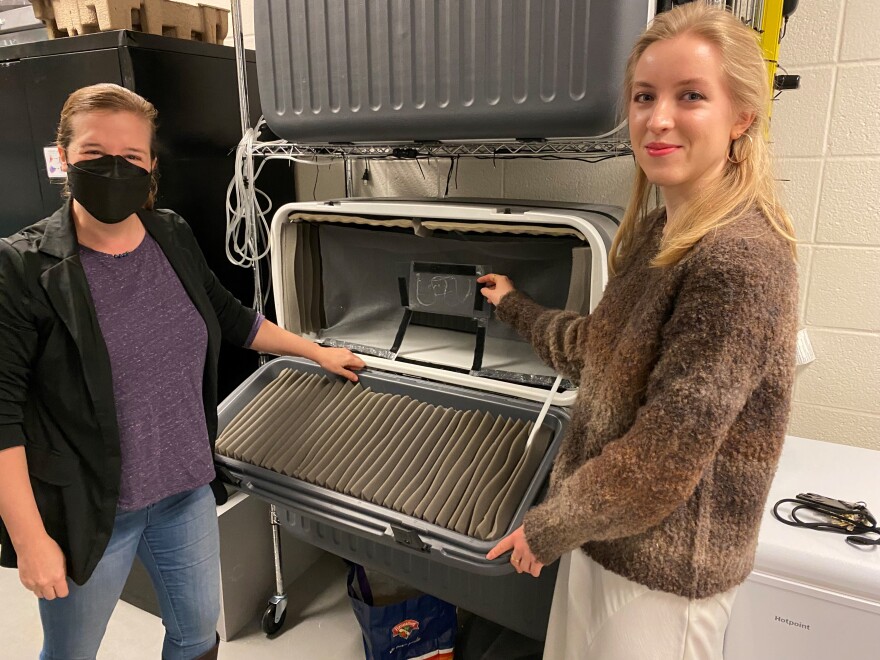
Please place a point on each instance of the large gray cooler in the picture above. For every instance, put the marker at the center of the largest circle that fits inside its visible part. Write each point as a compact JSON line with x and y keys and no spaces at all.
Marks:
{"x":404,"y":70}
{"x":423,"y":466}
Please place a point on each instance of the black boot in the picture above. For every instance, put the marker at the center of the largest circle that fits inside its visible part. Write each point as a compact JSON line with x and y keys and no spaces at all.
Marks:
{"x":211,"y":654}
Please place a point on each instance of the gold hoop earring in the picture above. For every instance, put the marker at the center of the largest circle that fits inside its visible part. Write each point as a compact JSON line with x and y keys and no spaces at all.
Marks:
{"x":746,"y":156}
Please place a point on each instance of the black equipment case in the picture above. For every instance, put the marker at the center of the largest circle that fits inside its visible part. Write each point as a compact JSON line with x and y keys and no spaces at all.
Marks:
{"x":390,"y":70}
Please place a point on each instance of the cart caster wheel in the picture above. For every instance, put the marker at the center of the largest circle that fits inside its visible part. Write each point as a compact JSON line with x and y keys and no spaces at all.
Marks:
{"x":269,"y":624}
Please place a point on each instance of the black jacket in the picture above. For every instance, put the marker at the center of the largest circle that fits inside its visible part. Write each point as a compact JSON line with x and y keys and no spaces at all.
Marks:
{"x":56,"y":392}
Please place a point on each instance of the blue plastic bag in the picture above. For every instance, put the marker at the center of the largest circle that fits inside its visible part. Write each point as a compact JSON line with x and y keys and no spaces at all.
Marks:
{"x":419,"y":628}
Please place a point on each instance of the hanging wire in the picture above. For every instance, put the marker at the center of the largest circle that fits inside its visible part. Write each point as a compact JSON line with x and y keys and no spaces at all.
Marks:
{"x":247,"y":228}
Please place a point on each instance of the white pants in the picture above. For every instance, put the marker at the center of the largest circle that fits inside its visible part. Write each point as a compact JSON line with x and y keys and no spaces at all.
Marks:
{"x":599,"y":615}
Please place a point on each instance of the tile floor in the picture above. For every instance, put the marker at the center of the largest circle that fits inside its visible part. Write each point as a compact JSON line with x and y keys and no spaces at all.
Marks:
{"x":319,"y":626}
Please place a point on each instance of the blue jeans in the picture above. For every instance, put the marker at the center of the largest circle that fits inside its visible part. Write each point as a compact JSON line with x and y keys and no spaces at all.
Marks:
{"x":178,"y":542}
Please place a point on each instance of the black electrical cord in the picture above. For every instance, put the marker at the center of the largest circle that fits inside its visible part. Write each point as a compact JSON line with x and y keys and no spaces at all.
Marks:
{"x":315,"y":187}
{"x":452,"y":162}
{"x":840,"y":517}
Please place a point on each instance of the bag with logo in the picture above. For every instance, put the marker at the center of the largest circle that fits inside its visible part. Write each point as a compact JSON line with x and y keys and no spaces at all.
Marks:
{"x":418,"y":628}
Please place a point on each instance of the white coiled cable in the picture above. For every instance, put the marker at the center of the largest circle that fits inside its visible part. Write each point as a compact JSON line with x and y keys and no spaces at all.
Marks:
{"x":247,"y":226}
{"x":248,"y":209}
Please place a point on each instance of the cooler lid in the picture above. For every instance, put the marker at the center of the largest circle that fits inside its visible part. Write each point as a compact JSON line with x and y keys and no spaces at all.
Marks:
{"x":822,"y":559}
{"x":594,"y":224}
{"x":333,"y":71}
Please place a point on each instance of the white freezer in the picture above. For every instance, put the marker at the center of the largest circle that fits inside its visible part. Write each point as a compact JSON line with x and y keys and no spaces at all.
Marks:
{"x":811,"y":595}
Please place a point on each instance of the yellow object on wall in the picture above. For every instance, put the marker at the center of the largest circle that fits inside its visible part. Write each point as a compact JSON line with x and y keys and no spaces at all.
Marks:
{"x":771,"y":30}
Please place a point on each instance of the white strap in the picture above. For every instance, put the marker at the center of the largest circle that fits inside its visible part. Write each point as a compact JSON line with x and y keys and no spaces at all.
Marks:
{"x":543,"y":412}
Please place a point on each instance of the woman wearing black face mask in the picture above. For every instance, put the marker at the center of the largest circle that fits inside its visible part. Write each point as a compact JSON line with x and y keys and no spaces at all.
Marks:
{"x":110,"y":188}
{"x":110,"y":324}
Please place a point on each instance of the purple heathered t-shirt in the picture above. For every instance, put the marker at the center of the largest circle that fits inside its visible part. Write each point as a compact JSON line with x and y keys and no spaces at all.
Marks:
{"x":157,"y":343}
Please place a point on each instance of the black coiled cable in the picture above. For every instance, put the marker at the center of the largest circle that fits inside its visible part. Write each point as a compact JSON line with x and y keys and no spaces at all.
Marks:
{"x":852,"y":518}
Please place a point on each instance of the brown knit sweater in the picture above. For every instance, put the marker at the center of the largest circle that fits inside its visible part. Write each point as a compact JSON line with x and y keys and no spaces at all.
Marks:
{"x":685,"y":379}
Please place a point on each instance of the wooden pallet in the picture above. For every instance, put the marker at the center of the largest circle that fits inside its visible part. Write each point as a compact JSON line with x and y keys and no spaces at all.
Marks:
{"x":67,"y":18}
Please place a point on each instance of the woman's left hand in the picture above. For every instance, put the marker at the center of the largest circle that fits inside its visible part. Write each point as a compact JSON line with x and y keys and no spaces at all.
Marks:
{"x":340,"y":361}
{"x":521,"y":558}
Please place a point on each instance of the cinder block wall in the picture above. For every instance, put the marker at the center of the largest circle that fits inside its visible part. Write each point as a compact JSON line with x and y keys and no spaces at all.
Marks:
{"x":827,"y":142}
{"x":827,"y":139}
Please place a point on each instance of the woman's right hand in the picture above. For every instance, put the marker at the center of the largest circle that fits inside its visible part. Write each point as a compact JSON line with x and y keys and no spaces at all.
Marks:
{"x":42,"y":568}
{"x":497,"y":286}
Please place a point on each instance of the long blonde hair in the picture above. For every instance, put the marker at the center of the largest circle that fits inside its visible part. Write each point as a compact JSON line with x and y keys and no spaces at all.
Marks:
{"x":107,"y":97}
{"x":747,"y":180}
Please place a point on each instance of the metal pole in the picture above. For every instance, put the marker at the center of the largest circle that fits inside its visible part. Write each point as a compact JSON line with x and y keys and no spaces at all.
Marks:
{"x":244,"y":109}
{"x":241,"y":67}
{"x":349,"y":182}
{"x":276,"y":547}
{"x":278,"y":601}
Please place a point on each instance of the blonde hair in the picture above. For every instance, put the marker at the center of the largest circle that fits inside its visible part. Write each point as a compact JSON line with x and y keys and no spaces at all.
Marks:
{"x":747,"y":180}
{"x":107,"y":97}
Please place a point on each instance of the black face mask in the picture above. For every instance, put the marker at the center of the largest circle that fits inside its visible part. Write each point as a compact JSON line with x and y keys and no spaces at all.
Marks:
{"x":111,"y":188}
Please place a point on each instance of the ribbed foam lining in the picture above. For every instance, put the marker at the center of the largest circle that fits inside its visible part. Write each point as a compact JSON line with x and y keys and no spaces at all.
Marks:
{"x":465,"y":470}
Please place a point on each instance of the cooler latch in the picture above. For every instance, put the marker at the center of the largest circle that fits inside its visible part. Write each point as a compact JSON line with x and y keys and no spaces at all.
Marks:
{"x":409,"y":537}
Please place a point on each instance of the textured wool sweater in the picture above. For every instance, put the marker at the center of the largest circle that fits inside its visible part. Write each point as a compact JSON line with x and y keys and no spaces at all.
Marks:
{"x":685,"y":377}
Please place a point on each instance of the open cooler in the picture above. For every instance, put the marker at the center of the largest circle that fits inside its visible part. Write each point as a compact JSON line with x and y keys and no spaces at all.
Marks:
{"x":450,"y":435}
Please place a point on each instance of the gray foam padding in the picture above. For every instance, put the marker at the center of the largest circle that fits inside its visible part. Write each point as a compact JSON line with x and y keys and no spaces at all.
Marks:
{"x":465,"y":470}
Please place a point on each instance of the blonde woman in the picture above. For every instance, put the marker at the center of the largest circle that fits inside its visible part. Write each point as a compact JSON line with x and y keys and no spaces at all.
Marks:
{"x":685,"y":367}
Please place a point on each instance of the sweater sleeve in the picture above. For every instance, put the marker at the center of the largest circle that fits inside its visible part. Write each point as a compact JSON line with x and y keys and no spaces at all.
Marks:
{"x":557,"y":336}
{"x":18,"y":346}
{"x":733,"y":309}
